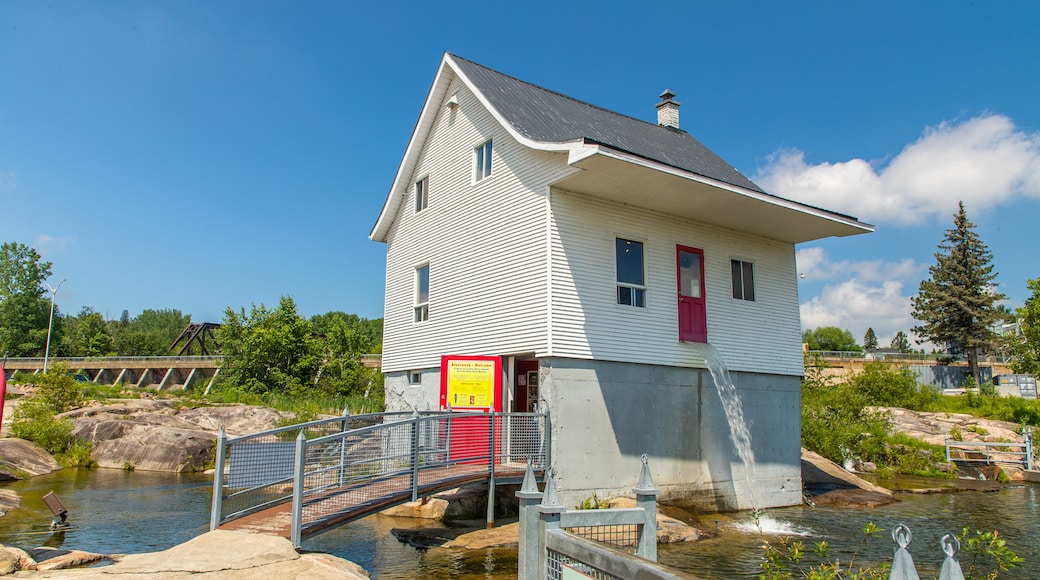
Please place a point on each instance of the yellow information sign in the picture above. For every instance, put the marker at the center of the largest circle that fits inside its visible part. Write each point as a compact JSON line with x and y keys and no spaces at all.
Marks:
{"x":471,"y":381}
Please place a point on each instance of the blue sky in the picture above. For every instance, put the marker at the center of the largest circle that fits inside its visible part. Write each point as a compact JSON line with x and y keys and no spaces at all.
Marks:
{"x":201,"y":155}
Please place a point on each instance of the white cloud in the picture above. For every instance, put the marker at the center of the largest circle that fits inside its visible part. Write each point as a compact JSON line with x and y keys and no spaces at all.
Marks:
{"x":859,"y":295}
{"x":46,"y":244}
{"x":984,"y":161}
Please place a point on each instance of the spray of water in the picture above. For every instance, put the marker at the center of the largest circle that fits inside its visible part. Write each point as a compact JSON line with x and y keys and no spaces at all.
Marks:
{"x":738,"y":429}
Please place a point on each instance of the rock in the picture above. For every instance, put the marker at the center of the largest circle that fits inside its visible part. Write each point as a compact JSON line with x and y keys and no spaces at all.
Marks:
{"x":669,"y":530}
{"x":8,"y":501}
{"x":499,"y":537}
{"x":467,"y":502}
{"x":828,"y":484}
{"x":133,"y":445}
{"x":21,"y":459}
{"x":237,"y":419}
{"x":25,"y":561}
{"x":8,"y":563}
{"x":57,"y":559}
{"x":222,"y":555}
{"x":432,"y":509}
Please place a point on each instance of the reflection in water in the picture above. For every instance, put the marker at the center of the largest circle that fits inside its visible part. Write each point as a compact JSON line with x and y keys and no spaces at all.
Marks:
{"x":119,"y":512}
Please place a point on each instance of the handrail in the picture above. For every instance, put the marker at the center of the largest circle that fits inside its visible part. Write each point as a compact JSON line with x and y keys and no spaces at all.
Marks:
{"x":335,"y":468}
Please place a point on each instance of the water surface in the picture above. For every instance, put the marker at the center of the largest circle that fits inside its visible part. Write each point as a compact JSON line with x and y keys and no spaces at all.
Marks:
{"x":113,"y":511}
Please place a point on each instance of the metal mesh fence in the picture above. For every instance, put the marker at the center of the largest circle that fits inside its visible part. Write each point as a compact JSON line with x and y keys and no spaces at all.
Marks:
{"x":367,"y":460}
{"x":558,"y":563}
{"x":620,"y":537}
{"x":401,"y":459}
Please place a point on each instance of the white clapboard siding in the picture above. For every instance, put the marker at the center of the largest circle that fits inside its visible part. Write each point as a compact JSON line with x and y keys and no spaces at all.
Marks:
{"x":760,"y":336}
{"x":485,"y":243}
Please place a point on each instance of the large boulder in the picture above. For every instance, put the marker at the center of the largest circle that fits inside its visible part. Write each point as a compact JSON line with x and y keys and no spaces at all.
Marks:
{"x":21,"y":459}
{"x":827,"y":483}
{"x":8,"y":501}
{"x":159,"y":435}
{"x":222,"y":555}
{"x":237,"y":420}
{"x":134,"y":445}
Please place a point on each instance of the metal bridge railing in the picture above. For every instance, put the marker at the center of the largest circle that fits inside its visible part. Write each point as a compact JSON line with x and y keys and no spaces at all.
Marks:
{"x":992,"y":452}
{"x":333,"y":467}
{"x":607,"y":544}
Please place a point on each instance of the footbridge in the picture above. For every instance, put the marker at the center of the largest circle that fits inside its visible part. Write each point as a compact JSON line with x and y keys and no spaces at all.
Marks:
{"x":157,"y":372}
{"x":298,"y":481}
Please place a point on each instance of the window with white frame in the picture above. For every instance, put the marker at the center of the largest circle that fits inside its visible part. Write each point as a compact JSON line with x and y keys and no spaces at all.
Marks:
{"x":422,"y":294}
{"x":743,"y":280}
{"x":483,"y":161}
{"x":631,"y":286}
{"x":422,"y":194}
{"x":414,"y":377}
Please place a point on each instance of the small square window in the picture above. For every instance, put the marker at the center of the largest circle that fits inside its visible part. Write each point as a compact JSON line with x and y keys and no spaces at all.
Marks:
{"x":421,"y":310}
{"x":422,"y":194}
{"x":415,"y":377}
{"x":483,"y":159}
{"x":631,"y":288}
{"x":743,"y":280}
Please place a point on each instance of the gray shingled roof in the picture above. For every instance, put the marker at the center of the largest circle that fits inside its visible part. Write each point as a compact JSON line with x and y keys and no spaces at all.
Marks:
{"x":548,"y":116}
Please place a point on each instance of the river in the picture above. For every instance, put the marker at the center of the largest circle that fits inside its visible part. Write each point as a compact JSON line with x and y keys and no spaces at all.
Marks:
{"x":114,"y":511}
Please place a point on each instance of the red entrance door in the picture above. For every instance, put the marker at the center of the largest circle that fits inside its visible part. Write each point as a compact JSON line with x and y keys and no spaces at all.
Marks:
{"x":693,"y":322}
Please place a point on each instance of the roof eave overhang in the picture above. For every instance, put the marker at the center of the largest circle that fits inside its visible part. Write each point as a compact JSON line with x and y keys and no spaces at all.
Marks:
{"x":633,"y":180}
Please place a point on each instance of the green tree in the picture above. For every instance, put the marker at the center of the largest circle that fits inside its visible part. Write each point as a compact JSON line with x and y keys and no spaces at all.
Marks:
{"x":92,"y":335}
{"x":1025,"y":349}
{"x":24,"y":310}
{"x":269,"y":350}
{"x":150,"y":333}
{"x":900,"y":342}
{"x":957,"y":303}
{"x":830,"y":338}
{"x":870,"y":339}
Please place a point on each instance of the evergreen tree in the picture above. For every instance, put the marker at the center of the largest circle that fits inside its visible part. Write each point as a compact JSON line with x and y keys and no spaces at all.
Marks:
{"x":958,"y":302}
{"x":900,"y":342}
{"x":870,"y":339}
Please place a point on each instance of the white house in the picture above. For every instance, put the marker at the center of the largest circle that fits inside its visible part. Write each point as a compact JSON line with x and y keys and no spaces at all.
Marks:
{"x":599,"y":252}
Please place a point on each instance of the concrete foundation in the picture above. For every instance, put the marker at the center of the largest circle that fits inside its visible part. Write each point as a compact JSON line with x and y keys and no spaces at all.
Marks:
{"x":605,"y":415}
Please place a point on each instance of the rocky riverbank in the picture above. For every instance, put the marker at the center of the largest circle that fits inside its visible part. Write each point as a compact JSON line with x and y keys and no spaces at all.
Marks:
{"x":217,"y":555}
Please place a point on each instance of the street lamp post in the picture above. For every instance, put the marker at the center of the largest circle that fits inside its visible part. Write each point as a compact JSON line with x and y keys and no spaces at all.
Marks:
{"x":50,"y":323}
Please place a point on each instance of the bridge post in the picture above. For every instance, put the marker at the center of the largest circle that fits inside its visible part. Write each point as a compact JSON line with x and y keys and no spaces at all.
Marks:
{"x":1027,"y":438}
{"x":415,"y":455}
{"x":529,"y":497}
{"x":343,"y":447}
{"x":218,"y":481}
{"x":297,"y":490}
{"x":646,"y":498}
{"x":491,"y":472}
{"x":549,"y":513}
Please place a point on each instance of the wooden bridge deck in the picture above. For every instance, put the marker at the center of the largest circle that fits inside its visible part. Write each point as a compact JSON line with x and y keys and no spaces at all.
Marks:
{"x":339,"y":506}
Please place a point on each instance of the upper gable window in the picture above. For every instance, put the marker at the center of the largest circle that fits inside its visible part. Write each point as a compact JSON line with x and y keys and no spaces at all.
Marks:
{"x":422,"y":194}
{"x":483,"y":161}
{"x":631,"y":287}
{"x":743,"y":280}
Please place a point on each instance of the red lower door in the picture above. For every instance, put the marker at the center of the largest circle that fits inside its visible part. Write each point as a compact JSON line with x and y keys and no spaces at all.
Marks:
{"x":693,"y":321}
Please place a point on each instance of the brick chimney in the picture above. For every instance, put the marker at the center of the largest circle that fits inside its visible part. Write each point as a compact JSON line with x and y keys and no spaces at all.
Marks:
{"x":668,"y":110}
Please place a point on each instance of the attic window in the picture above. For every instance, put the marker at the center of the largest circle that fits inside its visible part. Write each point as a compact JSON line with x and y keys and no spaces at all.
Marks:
{"x":422,"y":194}
{"x":483,"y":161}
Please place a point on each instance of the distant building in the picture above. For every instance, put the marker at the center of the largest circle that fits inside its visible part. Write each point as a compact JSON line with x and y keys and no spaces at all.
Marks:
{"x":596,"y":254}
